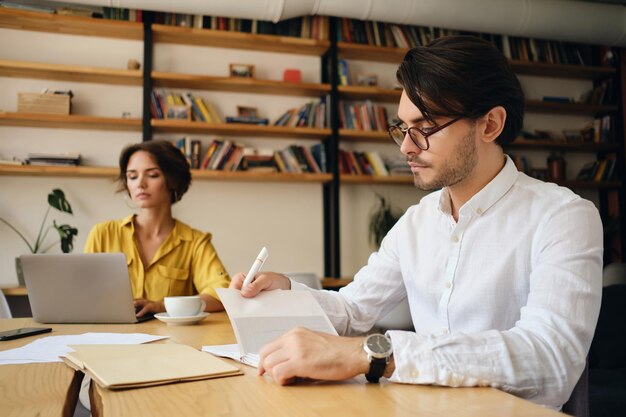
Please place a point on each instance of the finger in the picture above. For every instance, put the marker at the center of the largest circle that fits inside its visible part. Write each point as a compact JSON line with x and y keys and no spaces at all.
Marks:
{"x":284,"y":373}
{"x":143,"y":311}
{"x":237,"y":281}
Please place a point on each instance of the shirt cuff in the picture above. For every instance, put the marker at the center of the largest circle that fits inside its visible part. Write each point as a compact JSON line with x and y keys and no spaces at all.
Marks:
{"x":296,"y":286}
{"x":413,"y":358}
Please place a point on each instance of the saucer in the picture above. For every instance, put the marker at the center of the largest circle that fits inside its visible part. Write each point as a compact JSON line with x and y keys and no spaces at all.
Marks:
{"x":181,"y":320}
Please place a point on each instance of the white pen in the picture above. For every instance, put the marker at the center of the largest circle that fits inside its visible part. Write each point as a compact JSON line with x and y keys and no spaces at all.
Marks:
{"x":256,"y":265}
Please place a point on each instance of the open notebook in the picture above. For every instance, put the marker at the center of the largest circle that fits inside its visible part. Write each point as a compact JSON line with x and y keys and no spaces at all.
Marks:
{"x":133,"y":366}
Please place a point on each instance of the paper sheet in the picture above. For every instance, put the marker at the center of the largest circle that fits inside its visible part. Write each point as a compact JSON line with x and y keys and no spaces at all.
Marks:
{"x":232,"y":352}
{"x":48,"y":349}
{"x":260,"y":320}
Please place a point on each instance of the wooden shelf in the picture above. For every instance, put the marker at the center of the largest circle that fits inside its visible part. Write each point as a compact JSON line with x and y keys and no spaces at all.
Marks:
{"x":537,"y":106}
{"x":542,"y":69}
{"x":260,"y":177}
{"x":561,"y":145}
{"x":17,"y":69}
{"x":239,"y":85}
{"x":111,"y":173}
{"x":539,"y":69}
{"x":69,"y":121}
{"x":348,"y":50}
{"x":369,"y":179}
{"x":71,"y":25}
{"x":239,"y":40}
{"x":58,"y":171}
{"x":238,"y":129}
{"x":375,"y":136}
{"x":357,"y":92}
{"x":329,"y":282}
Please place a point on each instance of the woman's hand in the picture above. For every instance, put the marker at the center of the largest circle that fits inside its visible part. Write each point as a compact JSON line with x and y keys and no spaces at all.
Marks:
{"x":143,"y":306}
{"x":264,"y":281}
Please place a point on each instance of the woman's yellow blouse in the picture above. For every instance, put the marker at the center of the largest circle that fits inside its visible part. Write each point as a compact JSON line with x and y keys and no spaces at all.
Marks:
{"x":185,"y":264}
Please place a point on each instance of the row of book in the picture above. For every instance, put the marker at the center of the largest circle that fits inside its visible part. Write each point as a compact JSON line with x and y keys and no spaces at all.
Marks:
{"x":552,"y":52}
{"x":169,"y":105}
{"x":515,"y":48}
{"x":363,"y":116}
{"x":361,"y":163}
{"x":602,"y":94}
{"x":387,"y":34}
{"x":314,"y":114}
{"x":597,"y":171}
{"x":603,"y":130}
{"x":226,"y":155}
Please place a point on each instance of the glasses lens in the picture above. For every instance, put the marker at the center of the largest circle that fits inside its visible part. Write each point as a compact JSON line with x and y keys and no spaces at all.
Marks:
{"x":418,"y":139}
{"x":396,"y":134}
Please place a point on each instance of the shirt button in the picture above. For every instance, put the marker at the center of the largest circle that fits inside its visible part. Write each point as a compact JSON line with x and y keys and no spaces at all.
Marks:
{"x":445,"y":330}
{"x":455,"y":239}
{"x":479,"y":211}
{"x":448,"y":284}
{"x":415,"y":374}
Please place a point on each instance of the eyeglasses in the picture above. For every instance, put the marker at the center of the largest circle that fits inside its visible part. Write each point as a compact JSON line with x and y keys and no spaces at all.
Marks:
{"x":417,"y":135}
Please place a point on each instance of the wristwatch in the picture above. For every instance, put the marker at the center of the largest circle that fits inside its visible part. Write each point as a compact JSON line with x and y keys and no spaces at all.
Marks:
{"x":379,"y":351}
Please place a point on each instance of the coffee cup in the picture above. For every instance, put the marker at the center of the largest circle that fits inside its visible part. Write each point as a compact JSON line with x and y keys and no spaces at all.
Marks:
{"x":184,"y":306}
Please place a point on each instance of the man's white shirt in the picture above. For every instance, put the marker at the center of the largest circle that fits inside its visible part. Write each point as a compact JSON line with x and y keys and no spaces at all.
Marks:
{"x":507,"y":297}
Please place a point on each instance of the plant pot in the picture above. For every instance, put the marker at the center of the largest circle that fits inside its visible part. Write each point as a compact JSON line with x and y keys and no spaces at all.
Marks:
{"x":20,"y":272}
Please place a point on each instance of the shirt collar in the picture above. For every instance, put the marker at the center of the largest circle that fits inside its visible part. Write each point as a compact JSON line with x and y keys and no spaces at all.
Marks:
{"x":484,"y":199}
{"x":181,"y":231}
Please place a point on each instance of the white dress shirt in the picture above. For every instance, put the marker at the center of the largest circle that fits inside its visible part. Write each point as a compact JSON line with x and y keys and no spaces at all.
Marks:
{"x":508,"y":296}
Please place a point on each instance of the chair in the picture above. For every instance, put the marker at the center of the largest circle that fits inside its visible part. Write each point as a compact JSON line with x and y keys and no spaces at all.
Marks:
{"x":578,"y":403}
{"x":309,"y":279}
{"x":5,"y":311}
{"x":607,"y":356}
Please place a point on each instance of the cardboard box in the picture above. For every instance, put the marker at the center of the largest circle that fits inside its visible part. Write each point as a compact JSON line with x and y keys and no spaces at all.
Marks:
{"x":43,"y":103}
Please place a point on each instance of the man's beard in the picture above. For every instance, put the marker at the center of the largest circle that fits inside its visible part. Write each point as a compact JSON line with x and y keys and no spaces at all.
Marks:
{"x":455,"y":169}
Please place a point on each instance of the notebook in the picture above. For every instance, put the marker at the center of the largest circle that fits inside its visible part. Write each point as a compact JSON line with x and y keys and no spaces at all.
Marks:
{"x":79,"y":288}
{"x":134,"y":366}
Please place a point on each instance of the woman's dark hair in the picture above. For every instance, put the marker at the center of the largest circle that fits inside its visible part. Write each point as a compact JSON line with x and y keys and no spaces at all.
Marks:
{"x":463,"y":76}
{"x":170,"y":160}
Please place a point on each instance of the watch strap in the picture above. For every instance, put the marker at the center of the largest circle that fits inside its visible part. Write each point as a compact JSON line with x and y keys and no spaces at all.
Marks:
{"x":377,"y":369}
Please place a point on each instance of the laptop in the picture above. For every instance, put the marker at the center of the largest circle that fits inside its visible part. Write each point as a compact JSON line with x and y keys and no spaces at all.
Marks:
{"x":79,"y":288}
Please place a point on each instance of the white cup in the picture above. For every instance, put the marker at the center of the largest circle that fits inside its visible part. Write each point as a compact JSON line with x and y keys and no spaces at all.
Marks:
{"x":184,"y":306}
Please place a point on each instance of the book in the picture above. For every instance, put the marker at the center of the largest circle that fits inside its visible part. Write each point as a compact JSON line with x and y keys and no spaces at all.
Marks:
{"x":133,"y":366}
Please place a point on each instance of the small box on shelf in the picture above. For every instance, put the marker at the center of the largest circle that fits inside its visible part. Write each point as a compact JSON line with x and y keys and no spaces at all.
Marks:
{"x":48,"y":103}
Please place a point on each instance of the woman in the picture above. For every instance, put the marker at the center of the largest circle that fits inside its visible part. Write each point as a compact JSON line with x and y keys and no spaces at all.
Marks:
{"x":165,"y":256}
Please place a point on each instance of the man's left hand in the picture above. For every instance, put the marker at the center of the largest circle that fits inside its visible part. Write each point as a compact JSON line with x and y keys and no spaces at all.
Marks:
{"x":302,"y":353}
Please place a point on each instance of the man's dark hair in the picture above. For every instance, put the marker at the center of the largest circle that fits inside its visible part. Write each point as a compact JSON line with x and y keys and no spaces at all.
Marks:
{"x":170,"y":160}
{"x":463,"y":76}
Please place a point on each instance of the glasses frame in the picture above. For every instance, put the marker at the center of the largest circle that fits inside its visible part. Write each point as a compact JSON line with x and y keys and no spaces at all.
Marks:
{"x":424,"y":134}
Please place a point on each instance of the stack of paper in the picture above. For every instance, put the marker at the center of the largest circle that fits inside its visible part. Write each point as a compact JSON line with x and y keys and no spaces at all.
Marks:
{"x":132,"y":366}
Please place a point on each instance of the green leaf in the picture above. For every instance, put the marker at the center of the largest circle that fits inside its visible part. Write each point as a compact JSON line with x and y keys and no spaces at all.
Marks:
{"x":57,"y":200}
{"x":381,"y":221}
{"x":66,"y":233}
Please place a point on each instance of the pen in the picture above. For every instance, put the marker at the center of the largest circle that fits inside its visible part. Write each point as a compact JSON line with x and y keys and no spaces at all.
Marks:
{"x":256,"y":265}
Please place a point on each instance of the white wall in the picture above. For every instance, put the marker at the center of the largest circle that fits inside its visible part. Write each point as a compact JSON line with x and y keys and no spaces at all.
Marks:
{"x":285,"y":217}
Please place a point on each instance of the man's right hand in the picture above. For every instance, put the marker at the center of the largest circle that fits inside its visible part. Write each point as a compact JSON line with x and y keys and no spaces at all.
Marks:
{"x":264,"y":281}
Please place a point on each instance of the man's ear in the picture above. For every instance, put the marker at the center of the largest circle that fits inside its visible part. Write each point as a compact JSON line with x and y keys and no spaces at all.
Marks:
{"x":492,"y":124}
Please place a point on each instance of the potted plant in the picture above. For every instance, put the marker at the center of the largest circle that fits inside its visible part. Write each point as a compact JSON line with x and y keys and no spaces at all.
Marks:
{"x":381,"y":221}
{"x":56,"y":200}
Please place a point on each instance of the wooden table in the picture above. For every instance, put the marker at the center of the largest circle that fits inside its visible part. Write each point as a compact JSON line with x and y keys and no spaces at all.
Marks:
{"x":51,"y":389}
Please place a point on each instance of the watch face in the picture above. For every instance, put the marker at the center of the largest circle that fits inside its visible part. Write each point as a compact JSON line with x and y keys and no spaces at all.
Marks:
{"x":377,"y":343}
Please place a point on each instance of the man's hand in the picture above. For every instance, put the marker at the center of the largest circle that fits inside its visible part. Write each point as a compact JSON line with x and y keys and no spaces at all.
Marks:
{"x":264,"y":281}
{"x":145,"y":306}
{"x":307,"y":354}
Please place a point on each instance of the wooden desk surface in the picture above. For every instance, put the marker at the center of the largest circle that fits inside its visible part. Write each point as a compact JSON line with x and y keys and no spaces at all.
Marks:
{"x":45,"y":389}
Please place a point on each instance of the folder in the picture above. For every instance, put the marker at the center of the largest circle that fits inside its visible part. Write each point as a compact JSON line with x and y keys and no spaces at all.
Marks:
{"x":134,"y":366}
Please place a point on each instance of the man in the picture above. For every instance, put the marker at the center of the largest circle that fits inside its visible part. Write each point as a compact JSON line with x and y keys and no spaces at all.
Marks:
{"x":502,"y":271}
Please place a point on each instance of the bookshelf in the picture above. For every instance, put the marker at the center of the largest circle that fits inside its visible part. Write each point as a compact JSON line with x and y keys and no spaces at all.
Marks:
{"x":20,"y":20}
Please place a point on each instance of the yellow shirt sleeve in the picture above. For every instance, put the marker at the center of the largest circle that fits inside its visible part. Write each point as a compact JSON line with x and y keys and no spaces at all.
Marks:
{"x":207,"y":269}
